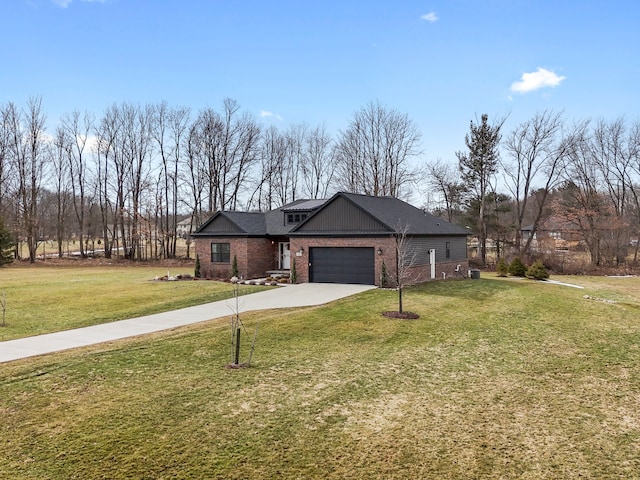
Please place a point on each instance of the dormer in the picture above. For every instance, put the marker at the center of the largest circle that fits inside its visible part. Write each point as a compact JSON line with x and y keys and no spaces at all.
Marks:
{"x":297,"y":212}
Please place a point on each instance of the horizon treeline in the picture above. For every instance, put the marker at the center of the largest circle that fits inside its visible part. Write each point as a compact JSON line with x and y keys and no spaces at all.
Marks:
{"x":125,"y":178}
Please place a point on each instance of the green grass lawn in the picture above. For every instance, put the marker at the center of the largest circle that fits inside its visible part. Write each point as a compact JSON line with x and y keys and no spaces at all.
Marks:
{"x":49,"y":299}
{"x":499,"y":378}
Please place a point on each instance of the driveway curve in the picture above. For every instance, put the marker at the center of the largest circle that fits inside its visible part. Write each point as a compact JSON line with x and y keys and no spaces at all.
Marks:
{"x":302,"y":295}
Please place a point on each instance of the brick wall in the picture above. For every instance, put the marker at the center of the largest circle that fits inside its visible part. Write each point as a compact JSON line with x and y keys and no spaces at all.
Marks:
{"x":420,"y":273}
{"x":302,"y":262}
{"x":255,"y":256}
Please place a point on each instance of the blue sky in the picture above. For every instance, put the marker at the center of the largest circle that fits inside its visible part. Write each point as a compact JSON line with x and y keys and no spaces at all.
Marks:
{"x":441,"y":62}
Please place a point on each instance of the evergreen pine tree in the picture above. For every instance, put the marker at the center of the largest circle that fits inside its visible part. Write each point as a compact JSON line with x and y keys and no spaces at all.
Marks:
{"x":6,"y":244}
{"x":517,"y":268}
{"x":501,"y":268}
{"x":537,"y":271}
{"x":196,"y":273}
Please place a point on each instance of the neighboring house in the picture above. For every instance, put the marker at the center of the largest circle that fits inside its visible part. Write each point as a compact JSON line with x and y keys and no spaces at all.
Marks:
{"x":552,"y":235}
{"x":345,"y":239}
{"x":184,"y":227}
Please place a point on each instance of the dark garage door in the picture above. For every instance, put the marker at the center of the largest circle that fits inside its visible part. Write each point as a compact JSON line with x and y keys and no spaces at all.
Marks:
{"x":342,"y":265}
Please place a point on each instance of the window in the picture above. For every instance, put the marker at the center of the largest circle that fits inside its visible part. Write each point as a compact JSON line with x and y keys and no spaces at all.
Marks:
{"x":294,"y":218}
{"x":448,"y":250}
{"x":220,"y":252}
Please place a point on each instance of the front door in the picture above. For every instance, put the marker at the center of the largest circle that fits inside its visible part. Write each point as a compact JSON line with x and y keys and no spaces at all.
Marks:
{"x":285,"y":256}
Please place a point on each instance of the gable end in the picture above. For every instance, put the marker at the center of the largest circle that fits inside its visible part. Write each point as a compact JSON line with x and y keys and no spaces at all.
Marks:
{"x":220,"y":225}
{"x":341,"y":215}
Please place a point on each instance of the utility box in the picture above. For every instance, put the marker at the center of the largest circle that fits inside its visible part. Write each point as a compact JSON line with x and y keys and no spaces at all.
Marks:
{"x":474,"y":274}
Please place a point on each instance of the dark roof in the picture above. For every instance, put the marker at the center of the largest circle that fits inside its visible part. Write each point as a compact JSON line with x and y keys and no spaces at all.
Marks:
{"x":389,"y":211}
{"x":247,"y":223}
{"x":251,"y":223}
{"x":306,"y":205}
{"x":394,"y":214}
{"x":259,"y":223}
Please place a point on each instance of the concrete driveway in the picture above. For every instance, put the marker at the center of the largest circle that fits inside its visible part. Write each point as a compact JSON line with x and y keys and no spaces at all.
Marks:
{"x":303,"y":295}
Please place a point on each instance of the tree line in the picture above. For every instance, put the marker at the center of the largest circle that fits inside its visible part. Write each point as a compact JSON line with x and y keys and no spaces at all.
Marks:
{"x":582,"y":177}
{"x":125,"y":178}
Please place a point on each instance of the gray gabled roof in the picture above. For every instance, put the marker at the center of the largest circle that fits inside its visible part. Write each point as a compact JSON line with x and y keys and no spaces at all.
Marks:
{"x":395,"y":214}
{"x":244,"y":223}
{"x":392,"y":213}
{"x":271,"y":223}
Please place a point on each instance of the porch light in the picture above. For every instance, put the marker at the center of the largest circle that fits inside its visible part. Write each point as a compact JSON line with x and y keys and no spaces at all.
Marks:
{"x":301,"y":251}
{"x":379,"y":251}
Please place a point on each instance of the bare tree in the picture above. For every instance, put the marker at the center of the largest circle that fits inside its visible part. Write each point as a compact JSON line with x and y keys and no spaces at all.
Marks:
{"x":373,"y":154}
{"x":581,"y":204}
{"x":273,"y":154}
{"x":406,"y":260}
{"x":444,"y":178}
{"x":169,"y":129}
{"x":107,"y":133}
{"x":60,"y":170}
{"x":633,"y":152}
{"x":5,"y":145}
{"x":30,"y":160}
{"x":614,"y":155}
{"x":136,"y":151}
{"x":227,"y":143}
{"x":536,"y":149}
{"x":75,"y":131}
{"x":318,"y":165}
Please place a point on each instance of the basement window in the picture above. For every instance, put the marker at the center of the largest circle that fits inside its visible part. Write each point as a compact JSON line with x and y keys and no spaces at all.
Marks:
{"x":220,"y":253}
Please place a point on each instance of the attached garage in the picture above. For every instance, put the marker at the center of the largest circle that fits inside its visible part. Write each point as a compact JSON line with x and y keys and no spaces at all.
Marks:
{"x":355,"y":265}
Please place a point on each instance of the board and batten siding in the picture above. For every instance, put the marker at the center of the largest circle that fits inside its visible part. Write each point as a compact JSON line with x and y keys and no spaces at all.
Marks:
{"x":221,"y":225}
{"x":420,"y":246}
{"x":342,"y":216}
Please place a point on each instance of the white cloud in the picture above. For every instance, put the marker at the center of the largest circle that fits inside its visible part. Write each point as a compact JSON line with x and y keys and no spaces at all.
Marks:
{"x":429,"y":17}
{"x":66,"y":3}
{"x":267,"y":114}
{"x":533,"y":81}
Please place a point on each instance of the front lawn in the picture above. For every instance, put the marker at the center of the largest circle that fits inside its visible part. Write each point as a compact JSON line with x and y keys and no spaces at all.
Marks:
{"x":498,"y":378}
{"x":44,"y":299}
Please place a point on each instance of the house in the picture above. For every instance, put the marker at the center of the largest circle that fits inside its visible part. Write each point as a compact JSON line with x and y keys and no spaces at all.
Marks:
{"x":345,"y":239}
{"x":553,"y":234}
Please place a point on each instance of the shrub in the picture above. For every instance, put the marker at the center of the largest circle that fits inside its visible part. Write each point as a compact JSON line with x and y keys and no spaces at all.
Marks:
{"x":517,"y":268}
{"x":537,"y":271}
{"x":501,"y":268}
{"x":196,"y":272}
{"x":384,"y":276}
{"x":6,"y":244}
{"x":234,"y":267}
{"x":293,"y":272}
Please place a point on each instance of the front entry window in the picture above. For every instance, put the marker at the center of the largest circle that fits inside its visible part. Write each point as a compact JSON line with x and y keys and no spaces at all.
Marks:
{"x":220,"y":252}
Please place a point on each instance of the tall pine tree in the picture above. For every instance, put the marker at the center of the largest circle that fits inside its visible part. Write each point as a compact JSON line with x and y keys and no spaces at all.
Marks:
{"x":478,"y":167}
